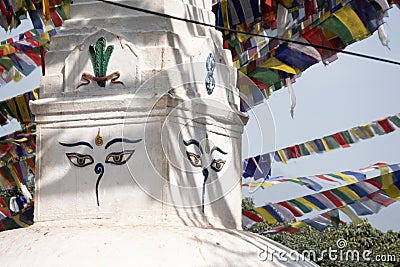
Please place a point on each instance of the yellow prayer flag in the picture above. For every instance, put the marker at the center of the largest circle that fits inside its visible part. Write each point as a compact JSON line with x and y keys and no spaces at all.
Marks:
{"x":17,"y":76}
{"x":225,"y":16}
{"x":346,"y":178}
{"x":21,"y":140}
{"x":287,"y":3}
{"x":35,"y":93}
{"x":46,"y":10}
{"x":387,"y":178}
{"x":328,"y":34}
{"x":8,"y":49}
{"x":282,"y":156}
{"x":350,"y":193}
{"x":354,"y":218}
{"x":299,"y":224}
{"x":357,"y":133}
{"x":263,"y":184}
{"x":266,"y":215}
{"x":274,"y":63}
{"x":307,"y":203}
{"x":311,"y":146}
{"x":353,"y":23}
{"x":243,"y":70}
{"x":19,"y":4}
{"x":66,"y":8}
{"x":23,"y":108}
{"x":17,"y":219}
{"x":326,"y":147}
{"x":366,"y":129}
{"x":392,"y":191}
{"x":44,"y":38}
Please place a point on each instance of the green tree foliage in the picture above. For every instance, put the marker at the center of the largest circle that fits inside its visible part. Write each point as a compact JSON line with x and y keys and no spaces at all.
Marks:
{"x":361,"y":238}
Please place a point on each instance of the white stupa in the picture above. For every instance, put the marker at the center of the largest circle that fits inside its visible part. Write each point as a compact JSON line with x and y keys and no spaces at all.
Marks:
{"x":137,"y":163}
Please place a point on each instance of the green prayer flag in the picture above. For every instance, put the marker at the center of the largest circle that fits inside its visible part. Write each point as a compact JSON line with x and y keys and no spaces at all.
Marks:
{"x":300,"y":205}
{"x":303,"y":150}
{"x":395,"y":120}
{"x":331,"y":142}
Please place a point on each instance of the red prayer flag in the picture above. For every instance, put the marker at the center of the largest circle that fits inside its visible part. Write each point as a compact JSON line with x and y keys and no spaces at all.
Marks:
{"x":374,"y":182}
{"x":294,"y":211}
{"x":3,"y":119}
{"x":31,"y":164}
{"x":340,"y":139}
{"x":309,"y":7}
{"x":381,"y":199}
{"x":258,"y":83}
{"x":325,"y":178}
{"x":5,"y":212}
{"x":268,"y":3}
{"x":57,"y":20}
{"x":3,"y":9}
{"x":4,"y":148}
{"x":251,"y":216}
{"x":34,"y":56}
{"x":332,"y":198}
{"x":296,"y":151}
{"x":289,"y":229}
{"x":53,"y":3}
{"x":316,"y":36}
{"x":384,"y":123}
{"x":2,"y":202}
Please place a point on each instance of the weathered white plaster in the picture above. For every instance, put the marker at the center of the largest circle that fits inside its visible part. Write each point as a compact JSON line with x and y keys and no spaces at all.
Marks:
{"x":150,"y":207}
{"x":108,"y":243}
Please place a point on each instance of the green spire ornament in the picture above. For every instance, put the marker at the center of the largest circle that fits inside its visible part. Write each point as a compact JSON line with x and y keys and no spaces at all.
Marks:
{"x":100,"y":57}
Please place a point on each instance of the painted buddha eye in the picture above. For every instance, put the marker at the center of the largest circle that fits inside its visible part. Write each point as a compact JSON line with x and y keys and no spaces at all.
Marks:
{"x":119,"y":158}
{"x":80,"y":160}
{"x":194,"y":159}
{"x":217,"y":164}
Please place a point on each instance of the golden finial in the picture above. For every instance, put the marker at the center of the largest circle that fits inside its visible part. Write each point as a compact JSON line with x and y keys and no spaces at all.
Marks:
{"x":207,"y":147}
{"x":99,"y":139}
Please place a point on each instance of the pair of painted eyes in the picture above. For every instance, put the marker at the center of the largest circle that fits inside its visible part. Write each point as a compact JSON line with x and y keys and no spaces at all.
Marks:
{"x":216,"y":164}
{"x":117,"y":158}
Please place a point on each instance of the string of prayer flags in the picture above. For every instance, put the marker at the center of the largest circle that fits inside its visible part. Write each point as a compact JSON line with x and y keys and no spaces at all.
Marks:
{"x":4,"y":210}
{"x":18,"y":107}
{"x":362,"y":207}
{"x":23,"y":218}
{"x":41,"y":13}
{"x":16,"y":147}
{"x":358,"y":199}
{"x":319,"y":222}
{"x":17,"y":152}
{"x":15,"y":174}
{"x":347,"y":177}
{"x":342,"y":139}
{"x":257,"y":167}
{"x":249,"y":218}
{"x":21,"y":55}
{"x":289,"y":26}
{"x":3,"y":119}
{"x":305,"y":181}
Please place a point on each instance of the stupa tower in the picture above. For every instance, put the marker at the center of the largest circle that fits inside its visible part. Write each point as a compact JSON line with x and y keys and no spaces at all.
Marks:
{"x":138,"y":161}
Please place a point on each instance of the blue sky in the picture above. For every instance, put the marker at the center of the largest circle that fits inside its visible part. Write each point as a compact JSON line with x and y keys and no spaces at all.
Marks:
{"x":349,"y":92}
